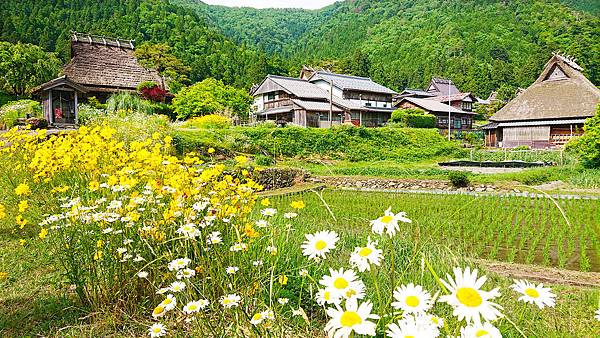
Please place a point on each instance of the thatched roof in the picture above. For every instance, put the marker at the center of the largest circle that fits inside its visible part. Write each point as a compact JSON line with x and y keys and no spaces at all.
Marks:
{"x":560,"y":92}
{"x":103,"y":64}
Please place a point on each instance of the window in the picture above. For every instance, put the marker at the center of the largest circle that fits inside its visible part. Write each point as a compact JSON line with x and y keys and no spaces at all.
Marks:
{"x":466,"y":106}
{"x":355,"y":115}
{"x":368,"y":104}
{"x":442,"y":120}
{"x":457,"y":124}
{"x":271,"y":96}
{"x":324,"y":117}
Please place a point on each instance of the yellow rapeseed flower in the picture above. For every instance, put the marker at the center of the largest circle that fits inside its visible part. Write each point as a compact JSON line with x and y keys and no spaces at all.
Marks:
{"x":22,"y":190}
{"x":283,"y":279}
{"x":23,"y":206}
{"x":2,"y":211}
{"x":22,"y":242}
{"x":265,"y":202}
{"x":241,"y":160}
{"x":211,"y":150}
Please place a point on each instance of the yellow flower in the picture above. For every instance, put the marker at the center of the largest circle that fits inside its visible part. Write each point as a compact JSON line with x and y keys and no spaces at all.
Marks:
{"x":61,"y":189}
{"x":94,"y":185}
{"x":21,"y":222}
{"x":298,"y":204}
{"x":23,"y":206}
{"x":3,"y":275}
{"x":241,"y":160}
{"x":98,"y":255}
{"x":99,"y":243}
{"x":265,"y":202}
{"x":211,"y":150}
{"x":250,"y":232}
{"x":168,"y":140}
{"x":283,"y":279}
{"x":156,"y":136}
{"x":22,"y":190}
{"x":2,"y":211}
{"x":22,"y":242}
{"x":43,"y":233}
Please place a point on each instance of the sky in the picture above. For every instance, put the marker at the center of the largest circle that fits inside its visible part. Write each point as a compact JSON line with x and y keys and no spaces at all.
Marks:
{"x":308,"y":4}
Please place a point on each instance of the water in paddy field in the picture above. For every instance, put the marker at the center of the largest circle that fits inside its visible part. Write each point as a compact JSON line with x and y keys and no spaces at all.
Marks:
{"x":510,"y":229}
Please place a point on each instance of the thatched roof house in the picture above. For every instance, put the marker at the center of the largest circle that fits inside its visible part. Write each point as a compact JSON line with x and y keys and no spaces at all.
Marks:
{"x":548,"y":113}
{"x":99,"y":67}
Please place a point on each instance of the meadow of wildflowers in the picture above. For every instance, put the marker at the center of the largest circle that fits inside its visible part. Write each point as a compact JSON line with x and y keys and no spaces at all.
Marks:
{"x":187,"y":247}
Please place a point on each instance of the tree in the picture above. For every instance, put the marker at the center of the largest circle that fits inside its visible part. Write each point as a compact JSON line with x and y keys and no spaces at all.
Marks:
{"x":588,"y":145}
{"x":211,"y":97}
{"x":24,"y":66}
{"x":159,"y":57}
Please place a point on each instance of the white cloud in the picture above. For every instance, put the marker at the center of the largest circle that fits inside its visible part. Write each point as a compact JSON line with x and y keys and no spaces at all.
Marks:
{"x":308,"y":4}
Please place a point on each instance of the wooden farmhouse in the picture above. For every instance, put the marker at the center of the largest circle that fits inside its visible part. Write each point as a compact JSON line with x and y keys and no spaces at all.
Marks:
{"x":99,"y":67}
{"x":442,"y":98}
{"x":548,"y":113}
{"x":460,"y":120}
{"x":322,"y":99}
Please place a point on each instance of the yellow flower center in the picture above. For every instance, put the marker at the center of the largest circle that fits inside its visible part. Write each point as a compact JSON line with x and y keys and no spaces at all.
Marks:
{"x":156,"y":330}
{"x":469,"y":297}
{"x":435,"y":320}
{"x":227,"y":301}
{"x":386,"y":219}
{"x":327,"y":295}
{"x":412,"y":301}
{"x":257,"y":316}
{"x":531,"y":292}
{"x":193,"y":307}
{"x":350,"y":293}
{"x":167,"y":301}
{"x":481,"y":333}
{"x":350,"y":318}
{"x":320,"y":245}
{"x":409,"y":336}
{"x":365,"y":252}
{"x":158,"y":310}
{"x":340,"y":283}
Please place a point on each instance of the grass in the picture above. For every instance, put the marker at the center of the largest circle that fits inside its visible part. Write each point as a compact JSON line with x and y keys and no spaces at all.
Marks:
{"x":40,"y":303}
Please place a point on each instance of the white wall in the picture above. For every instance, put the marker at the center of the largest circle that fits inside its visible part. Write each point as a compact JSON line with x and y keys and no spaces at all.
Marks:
{"x":339,"y":93}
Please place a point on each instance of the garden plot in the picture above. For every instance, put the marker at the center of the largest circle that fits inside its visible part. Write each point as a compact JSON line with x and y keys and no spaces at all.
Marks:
{"x":511,"y":229}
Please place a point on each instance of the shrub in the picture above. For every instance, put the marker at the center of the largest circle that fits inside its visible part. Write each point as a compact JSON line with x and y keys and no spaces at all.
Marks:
{"x":87,"y":114}
{"x":209,"y":97}
{"x":459,"y":179}
{"x":37,"y":123}
{"x":150,"y":90}
{"x":134,"y":126}
{"x":264,"y":160}
{"x":209,"y":122}
{"x":587,"y":147}
{"x":413,"y":118}
{"x":128,"y":102}
{"x":534,"y":177}
{"x":10,"y":112}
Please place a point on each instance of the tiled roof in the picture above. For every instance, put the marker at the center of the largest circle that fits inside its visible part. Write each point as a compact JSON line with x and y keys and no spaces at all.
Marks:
{"x":352,"y":82}
{"x":444,"y":86}
{"x":434,"y":106}
{"x":297,"y":87}
{"x":316,"y":106}
{"x":454,"y":97}
{"x":415,"y":92}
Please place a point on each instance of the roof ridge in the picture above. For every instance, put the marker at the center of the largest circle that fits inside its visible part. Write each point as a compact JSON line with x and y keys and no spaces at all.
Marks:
{"x":286,"y":78}
{"x":101,"y":40}
{"x":344,"y":75}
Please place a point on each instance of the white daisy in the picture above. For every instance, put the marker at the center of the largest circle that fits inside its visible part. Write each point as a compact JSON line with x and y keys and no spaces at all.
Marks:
{"x":179,"y":264}
{"x":325,"y":296}
{"x":355,"y":318}
{"x":319,"y":244}
{"x":262,"y":223}
{"x":343,"y":284}
{"x":258,"y":262}
{"x":389,"y":222}
{"x":597,"y":316}
{"x":257,"y":318}
{"x":269,"y":212}
{"x":469,"y":302}
{"x":203,"y":303}
{"x":142,"y":274}
{"x":186,"y":273}
{"x":412,"y":299}
{"x":231,"y":270}
{"x":413,"y":326}
{"x":303,"y":273}
{"x":532,"y":294}
{"x":169,"y":303}
{"x":436,"y":321}
{"x":214,"y":238}
{"x":238,"y":247}
{"x":192,"y":307}
{"x":189,"y":230}
{"x":272,"y":250}
{"x":177,"y":286}
{"x":485,"y":330}
{"x":290,"y":215}
{"x":362,"y":258}
{"x":157,"y":330}
{"x":230,"y":300}
{"x":283,"y":301}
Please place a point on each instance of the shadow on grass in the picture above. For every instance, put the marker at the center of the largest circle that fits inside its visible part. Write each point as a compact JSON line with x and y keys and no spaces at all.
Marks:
{"x":38,"y":316}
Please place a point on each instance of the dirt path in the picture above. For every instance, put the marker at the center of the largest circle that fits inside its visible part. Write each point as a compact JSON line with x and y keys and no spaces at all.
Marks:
{"x":543,"y":274}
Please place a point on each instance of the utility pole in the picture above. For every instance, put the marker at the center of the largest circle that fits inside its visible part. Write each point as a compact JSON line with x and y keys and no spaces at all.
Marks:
{"x":449,"y":109}
{"x":330,"y":103}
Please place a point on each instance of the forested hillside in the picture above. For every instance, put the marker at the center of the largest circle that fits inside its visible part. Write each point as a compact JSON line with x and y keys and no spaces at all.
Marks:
{"x":481,"y":44}
{"x":206,"y":50}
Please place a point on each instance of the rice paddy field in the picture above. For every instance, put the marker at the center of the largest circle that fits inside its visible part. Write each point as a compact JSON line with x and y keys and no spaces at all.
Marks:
{"x":559,"y":233}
